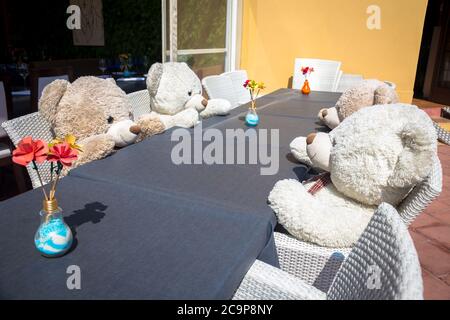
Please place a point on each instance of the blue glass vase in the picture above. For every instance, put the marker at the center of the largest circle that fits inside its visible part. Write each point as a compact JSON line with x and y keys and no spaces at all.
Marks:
{"x":53,"y":237}
{"x":252,"y":118}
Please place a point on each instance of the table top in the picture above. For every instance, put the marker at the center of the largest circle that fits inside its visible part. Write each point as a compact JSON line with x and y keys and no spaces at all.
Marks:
{"x":233,"y":185}
{"x":147,"y":228}
{"x":147,"y":247}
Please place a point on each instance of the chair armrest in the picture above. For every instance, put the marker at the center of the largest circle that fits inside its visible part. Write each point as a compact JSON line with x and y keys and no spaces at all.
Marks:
{"x":315,"y":265}
{"x":265,"y":282}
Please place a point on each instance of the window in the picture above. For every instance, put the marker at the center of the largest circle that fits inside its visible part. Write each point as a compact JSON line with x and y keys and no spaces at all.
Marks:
{"x":200,"y":33}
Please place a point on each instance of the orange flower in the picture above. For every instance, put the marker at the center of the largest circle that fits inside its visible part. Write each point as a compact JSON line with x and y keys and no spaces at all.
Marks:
{"x":29,"y":150}
{"x":62,"y":153}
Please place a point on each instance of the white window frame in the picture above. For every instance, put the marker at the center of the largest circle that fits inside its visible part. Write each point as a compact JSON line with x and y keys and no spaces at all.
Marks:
{"x":232,"y":38}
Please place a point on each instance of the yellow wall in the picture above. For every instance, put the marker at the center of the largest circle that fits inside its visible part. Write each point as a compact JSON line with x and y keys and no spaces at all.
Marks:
{"x":275,"y":32}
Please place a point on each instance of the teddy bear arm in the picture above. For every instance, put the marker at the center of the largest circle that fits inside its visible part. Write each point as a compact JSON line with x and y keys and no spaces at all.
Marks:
{"x":150,"y":125}
{"x":95,"y":148}
{"x":327,"y":218}
{"x":298,"y":150}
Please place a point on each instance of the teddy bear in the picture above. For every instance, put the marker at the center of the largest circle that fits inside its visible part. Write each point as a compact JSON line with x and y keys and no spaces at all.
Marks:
{"x":376,"y":155}
{"x":368,"y":93}
{"x":97,"y":112}
{"x":176,"y":96}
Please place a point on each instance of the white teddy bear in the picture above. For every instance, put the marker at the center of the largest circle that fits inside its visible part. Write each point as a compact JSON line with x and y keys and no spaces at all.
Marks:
{"x":376,"y":155}
{"x":176,"y":96}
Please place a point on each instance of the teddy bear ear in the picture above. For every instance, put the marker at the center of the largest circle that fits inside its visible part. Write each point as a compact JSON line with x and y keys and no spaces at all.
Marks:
{"x":385,"y":95}
{"x":415,"y":161}
{"x":154,"y":78}
{"x":50,"y":98}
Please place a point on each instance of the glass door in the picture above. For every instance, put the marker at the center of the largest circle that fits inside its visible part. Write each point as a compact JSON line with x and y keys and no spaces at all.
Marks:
{"x":199,"y":32}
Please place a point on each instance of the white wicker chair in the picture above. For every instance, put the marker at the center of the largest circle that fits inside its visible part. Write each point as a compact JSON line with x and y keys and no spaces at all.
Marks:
{"x":220,"y":87}
{"x":383,"y":265}
{"x":37,"y":127}
{"x":443,"y":135}
{"x":316,"y":265}
{"x":348,"y":81}
{"x":324,"y":77}
{"x":238,"y":79}
{"x":140,"y":103}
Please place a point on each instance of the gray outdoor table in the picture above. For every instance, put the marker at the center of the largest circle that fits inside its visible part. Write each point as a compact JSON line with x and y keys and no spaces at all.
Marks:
{"x":239,"y":186}
{"x":132,"y":244}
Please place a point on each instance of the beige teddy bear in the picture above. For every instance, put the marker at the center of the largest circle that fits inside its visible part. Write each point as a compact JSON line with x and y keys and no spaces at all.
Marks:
{"x":97,"y":112}
{"x":368,"y":93}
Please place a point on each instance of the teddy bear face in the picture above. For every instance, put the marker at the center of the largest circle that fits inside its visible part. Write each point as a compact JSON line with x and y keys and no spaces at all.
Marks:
{"x":172,"y":85}
{"x":379,"y":153}
{"x":90,"y":106}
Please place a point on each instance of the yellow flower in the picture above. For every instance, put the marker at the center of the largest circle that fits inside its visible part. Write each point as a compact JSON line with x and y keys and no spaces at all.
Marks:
{"x":70,"y":139}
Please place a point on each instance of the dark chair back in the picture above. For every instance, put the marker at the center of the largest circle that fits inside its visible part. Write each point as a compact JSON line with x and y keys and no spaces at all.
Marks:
{"x":39,"y":78}
{"x":5,"y":82}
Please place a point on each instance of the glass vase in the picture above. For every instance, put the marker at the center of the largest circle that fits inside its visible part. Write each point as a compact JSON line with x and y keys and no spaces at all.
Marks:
{"x":306,"y":89}
{"x":53,"y":237}
{"x":252,"y":118}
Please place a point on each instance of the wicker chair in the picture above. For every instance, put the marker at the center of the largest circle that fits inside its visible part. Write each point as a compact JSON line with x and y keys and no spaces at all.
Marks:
{"x":443,"y":135}
{"x":317,"y":265}
{"x":140,"y":103}
{"x":37,"y":127}
{"x":324,"y":78}
{"x":383,"y":265}
{"x":220,"y":87}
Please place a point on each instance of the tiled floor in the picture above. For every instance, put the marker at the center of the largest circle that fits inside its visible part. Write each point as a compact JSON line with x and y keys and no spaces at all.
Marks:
{"x":431,"y":235}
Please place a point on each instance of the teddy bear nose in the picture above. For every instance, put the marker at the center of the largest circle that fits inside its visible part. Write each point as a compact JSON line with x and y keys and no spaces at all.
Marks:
{"x":310,"y":138}
{"x":135,"y":129}
{"x":324,"y":113}
{"x":205,"y":102}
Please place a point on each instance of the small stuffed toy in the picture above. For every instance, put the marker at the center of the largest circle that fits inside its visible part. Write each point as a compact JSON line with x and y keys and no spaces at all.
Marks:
{"x":96,"y":111}
{"x":176,"y":96}
{"x":368,"y":93}
{"x":376,"y":155}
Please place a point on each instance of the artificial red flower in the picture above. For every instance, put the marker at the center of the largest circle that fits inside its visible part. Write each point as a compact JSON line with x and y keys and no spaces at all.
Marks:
{"x":246,"y":83}
{"x":30,"y":150}
{"x":63,"y":153}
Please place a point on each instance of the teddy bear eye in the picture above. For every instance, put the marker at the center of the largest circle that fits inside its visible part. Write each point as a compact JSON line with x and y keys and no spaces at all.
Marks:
{"x":190,"y":93}
{"x":110,"y":119}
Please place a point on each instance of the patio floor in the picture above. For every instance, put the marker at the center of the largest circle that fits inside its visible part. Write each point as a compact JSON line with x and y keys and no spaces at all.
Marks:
{"x":431,"y":235}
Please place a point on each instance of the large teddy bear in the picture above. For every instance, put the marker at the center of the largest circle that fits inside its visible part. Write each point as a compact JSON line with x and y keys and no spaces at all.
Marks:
{"x":176,"y":96}
{"x":368,"y":93}
{"x":376,"y":155}
{"x":97,"y":112}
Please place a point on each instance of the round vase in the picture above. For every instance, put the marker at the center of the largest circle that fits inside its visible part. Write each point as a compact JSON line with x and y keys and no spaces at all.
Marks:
{"x":306,"y":89}
{"x":252,"y":118}
{"x":53,"y":237}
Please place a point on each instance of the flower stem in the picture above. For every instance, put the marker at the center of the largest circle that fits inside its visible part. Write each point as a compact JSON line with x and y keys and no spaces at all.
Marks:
{"x":40,"y":179}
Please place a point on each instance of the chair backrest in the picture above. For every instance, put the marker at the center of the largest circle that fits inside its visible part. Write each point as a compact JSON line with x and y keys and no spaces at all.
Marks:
{"x":422,"y":194}
{"x":5,"y":98}
{"x":220,"y":87}
{"x":348,"y":81}
{"x":140,"y":103}
{"x":238,"y":79}
{"x":3,"y":104}
{"x":338,"y":80}
{"x":383,"y":264}
{"x":39,"y":78}
{"x":323,"y":78}
{"x":36,"y":126}
{"x":391,"y":84}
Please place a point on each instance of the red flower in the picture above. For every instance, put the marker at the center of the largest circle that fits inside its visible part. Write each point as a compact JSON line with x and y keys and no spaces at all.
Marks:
{"x":30,"y":150}
{"x":63,"y":153}
{"x":246,"y":83}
